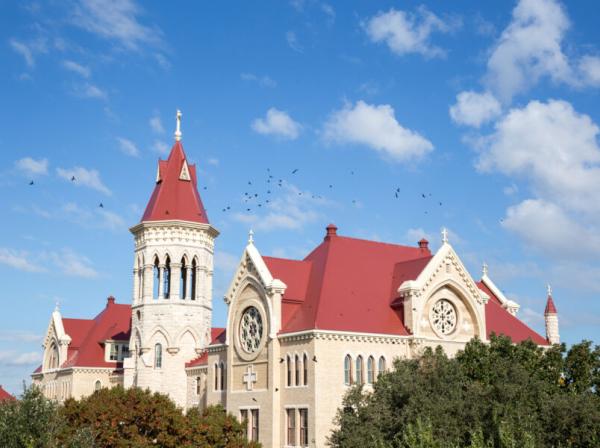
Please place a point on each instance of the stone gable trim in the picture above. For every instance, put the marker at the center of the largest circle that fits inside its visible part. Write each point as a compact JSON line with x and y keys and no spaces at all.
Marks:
{"x":196,"y":369}
{"x":216,"y":348}
{"x":345,"y":336}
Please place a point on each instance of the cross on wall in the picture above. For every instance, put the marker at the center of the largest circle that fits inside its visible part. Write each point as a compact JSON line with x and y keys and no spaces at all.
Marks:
{"x":250,"y":377}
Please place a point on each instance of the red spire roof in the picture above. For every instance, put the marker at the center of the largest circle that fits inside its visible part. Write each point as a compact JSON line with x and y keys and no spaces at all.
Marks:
{"x":5,"y":395}
{"x":550,"y":308}
{"x":176,"y":194}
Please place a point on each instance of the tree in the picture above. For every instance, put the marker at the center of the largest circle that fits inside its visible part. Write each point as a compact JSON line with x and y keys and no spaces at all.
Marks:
{"x":496,"y":395}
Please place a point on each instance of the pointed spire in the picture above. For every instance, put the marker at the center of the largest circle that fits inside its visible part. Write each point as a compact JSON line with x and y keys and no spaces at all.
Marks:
{"x":178,"y":126}
{"x":251,"y":237}
{"x":550,"y":307}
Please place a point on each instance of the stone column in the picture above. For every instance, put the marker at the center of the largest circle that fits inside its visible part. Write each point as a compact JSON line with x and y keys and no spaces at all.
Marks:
{"x":148,"y":283}
{"x":174,"y":293}
{"x":136,"y":287}
{"x":161,"y":283}
{"x":188,"y":282}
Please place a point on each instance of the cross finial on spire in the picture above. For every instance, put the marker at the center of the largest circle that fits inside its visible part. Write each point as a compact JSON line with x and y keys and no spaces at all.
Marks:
{"x":57,"y":306}
{"x":178,"y":127}
{"x":444,"y":235}
{"x":485,"y":269}
{"x":250,"y":237}
{"x":549,"y":290}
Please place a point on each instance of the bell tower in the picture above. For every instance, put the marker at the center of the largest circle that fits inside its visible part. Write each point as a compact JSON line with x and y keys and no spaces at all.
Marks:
{"x":172,"y":280}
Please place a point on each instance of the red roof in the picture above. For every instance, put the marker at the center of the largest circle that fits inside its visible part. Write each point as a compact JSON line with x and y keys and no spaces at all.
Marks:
{"x":217,"y":337}
{"x":327,"y":290}
{"x":500,"y":321}
{"x":173,"y":196}
{"x":550,"y":308}
{"x":87,"y":336}
{"x":5,"y":395}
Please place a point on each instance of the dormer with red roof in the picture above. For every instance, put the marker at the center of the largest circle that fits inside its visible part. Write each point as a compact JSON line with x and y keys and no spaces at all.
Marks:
{"x":172,"y":281}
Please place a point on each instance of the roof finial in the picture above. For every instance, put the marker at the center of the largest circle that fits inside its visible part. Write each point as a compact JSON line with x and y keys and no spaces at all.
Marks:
{"x":444,"y":235}
{"x":178,"y":128}
{"x":485,"y":269}
{"x":250,"y":237}
{"x":57,"y":306}
{"x":549,"y":290}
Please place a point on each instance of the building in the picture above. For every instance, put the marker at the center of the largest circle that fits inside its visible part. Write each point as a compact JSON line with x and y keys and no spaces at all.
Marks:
{"x":5,"y":396}
{"x":299,"y":333}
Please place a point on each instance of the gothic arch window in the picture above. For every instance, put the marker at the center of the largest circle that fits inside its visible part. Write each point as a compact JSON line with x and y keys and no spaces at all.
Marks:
{"x":348,"y":370}
{"x":222,"y":373}
{"x":53,"y":357}
{"x":297,"y":369}
{"x":194,"y":269}
{"x":289,"y":370}
{"x":370,"y":370}
{"x":359,"y":370}
{"x":183,"y":286}
{"x":97,"y":385}
{"x":305,"y":368}
{"x":155,"y":278}
{"x":381,"y":367}
{"x":198,"y":385}
{"x":216,"y":376}
{"x":158,"y":356}
{"x":167,"y":278}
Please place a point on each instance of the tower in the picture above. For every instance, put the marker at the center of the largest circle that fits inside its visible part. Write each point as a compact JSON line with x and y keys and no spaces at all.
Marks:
{"x":172,"y":280}
{"x":551,"y":319}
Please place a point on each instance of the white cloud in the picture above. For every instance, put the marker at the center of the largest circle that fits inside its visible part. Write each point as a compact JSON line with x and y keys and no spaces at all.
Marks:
{"x":19,"y":260}
{"x":329,"y":11}
{"x":263,"y":81}
{"x":213,"y":161}
{"x":377,"y":128}
{"x":406,"y":32}
{"x":88,"y":90}
{"x":156,"y":125}
{"x":277,"y":123}
{"x":115,"y":20}
{"x":589,"y":67}
{"x":413,"y":235}
{"x":81,"y":70}
{"x":529,"y":48}
{"x":226,"y":262}
{"x":72,"y":264}
{"x":160,"y":147}
{"x":292,"y":41}
{"x":475,"y":109}
{"x":553,"y":147}
{"x":32,"y":167}
{"x":292,"y":211}
{"x":20,"y":336}
{"x":127,"y":147}
{"x":546,"y":227}
{"x":29,"y":49}
{"x":12,"y":358}
{"x":85,"y":177}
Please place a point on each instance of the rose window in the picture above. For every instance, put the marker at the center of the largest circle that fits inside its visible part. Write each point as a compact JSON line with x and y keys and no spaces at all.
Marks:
{"x":443,"y":317}
{"x":251,"y":329}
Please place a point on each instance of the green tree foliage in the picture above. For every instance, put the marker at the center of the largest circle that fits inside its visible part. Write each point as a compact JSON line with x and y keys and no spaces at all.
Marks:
{"x":115,"y":418}
{"x":496,"y":395}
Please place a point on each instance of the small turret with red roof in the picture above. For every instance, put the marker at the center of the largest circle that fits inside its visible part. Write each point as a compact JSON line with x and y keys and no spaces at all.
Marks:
{"x":551,"y":319}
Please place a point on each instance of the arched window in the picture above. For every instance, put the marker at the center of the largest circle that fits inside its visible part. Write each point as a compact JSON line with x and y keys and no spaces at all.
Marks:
{"x":198,"y":385}
{"x":305,"y":367}
{"x":297,"y":369}
{"x":98,"y":385}
{"x":289,"y":370}
{"x":53,"y":357}
{"x":140,"y":280}
{"x":370,"y":370}
{"x":216,"y":376}
{"x":167,"y":278}
{"x":156,"y":278}
{"x":182,"y":279}
{"x":194,"y":268}
{"x":381,"y":366}
{"x":348,"y":370}
{"x":222,"y":369}
{"x":359,"y":370}
{"x":158,"y":356}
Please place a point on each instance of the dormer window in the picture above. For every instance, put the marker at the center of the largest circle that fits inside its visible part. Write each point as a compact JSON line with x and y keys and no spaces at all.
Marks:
{"x":118,"y":351}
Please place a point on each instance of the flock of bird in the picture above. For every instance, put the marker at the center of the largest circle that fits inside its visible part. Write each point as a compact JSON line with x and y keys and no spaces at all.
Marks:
{"x":253,"y":198}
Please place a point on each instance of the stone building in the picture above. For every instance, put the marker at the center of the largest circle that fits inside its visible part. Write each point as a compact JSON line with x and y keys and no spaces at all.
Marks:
{"x":299,"y":333}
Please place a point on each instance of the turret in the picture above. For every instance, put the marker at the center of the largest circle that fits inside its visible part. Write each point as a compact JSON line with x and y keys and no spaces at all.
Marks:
{"x":551,"y":319}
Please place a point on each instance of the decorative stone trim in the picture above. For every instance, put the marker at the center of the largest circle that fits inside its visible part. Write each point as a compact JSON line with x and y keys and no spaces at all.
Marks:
{"x":345,"y":336}
{"x":173,"y":350}
{"x":216,"y":348}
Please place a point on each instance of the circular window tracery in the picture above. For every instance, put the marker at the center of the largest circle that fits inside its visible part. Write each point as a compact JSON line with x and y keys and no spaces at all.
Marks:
{"x":251,"y":329}
{"x":443,"y":317}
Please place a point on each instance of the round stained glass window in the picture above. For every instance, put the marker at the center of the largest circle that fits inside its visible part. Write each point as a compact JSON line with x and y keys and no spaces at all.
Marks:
{"x":251,"y":329}
{"x":443,"y":316}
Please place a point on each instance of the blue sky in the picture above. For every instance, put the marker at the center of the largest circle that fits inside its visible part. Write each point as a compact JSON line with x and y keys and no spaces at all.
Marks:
{"x":489,"y":109}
